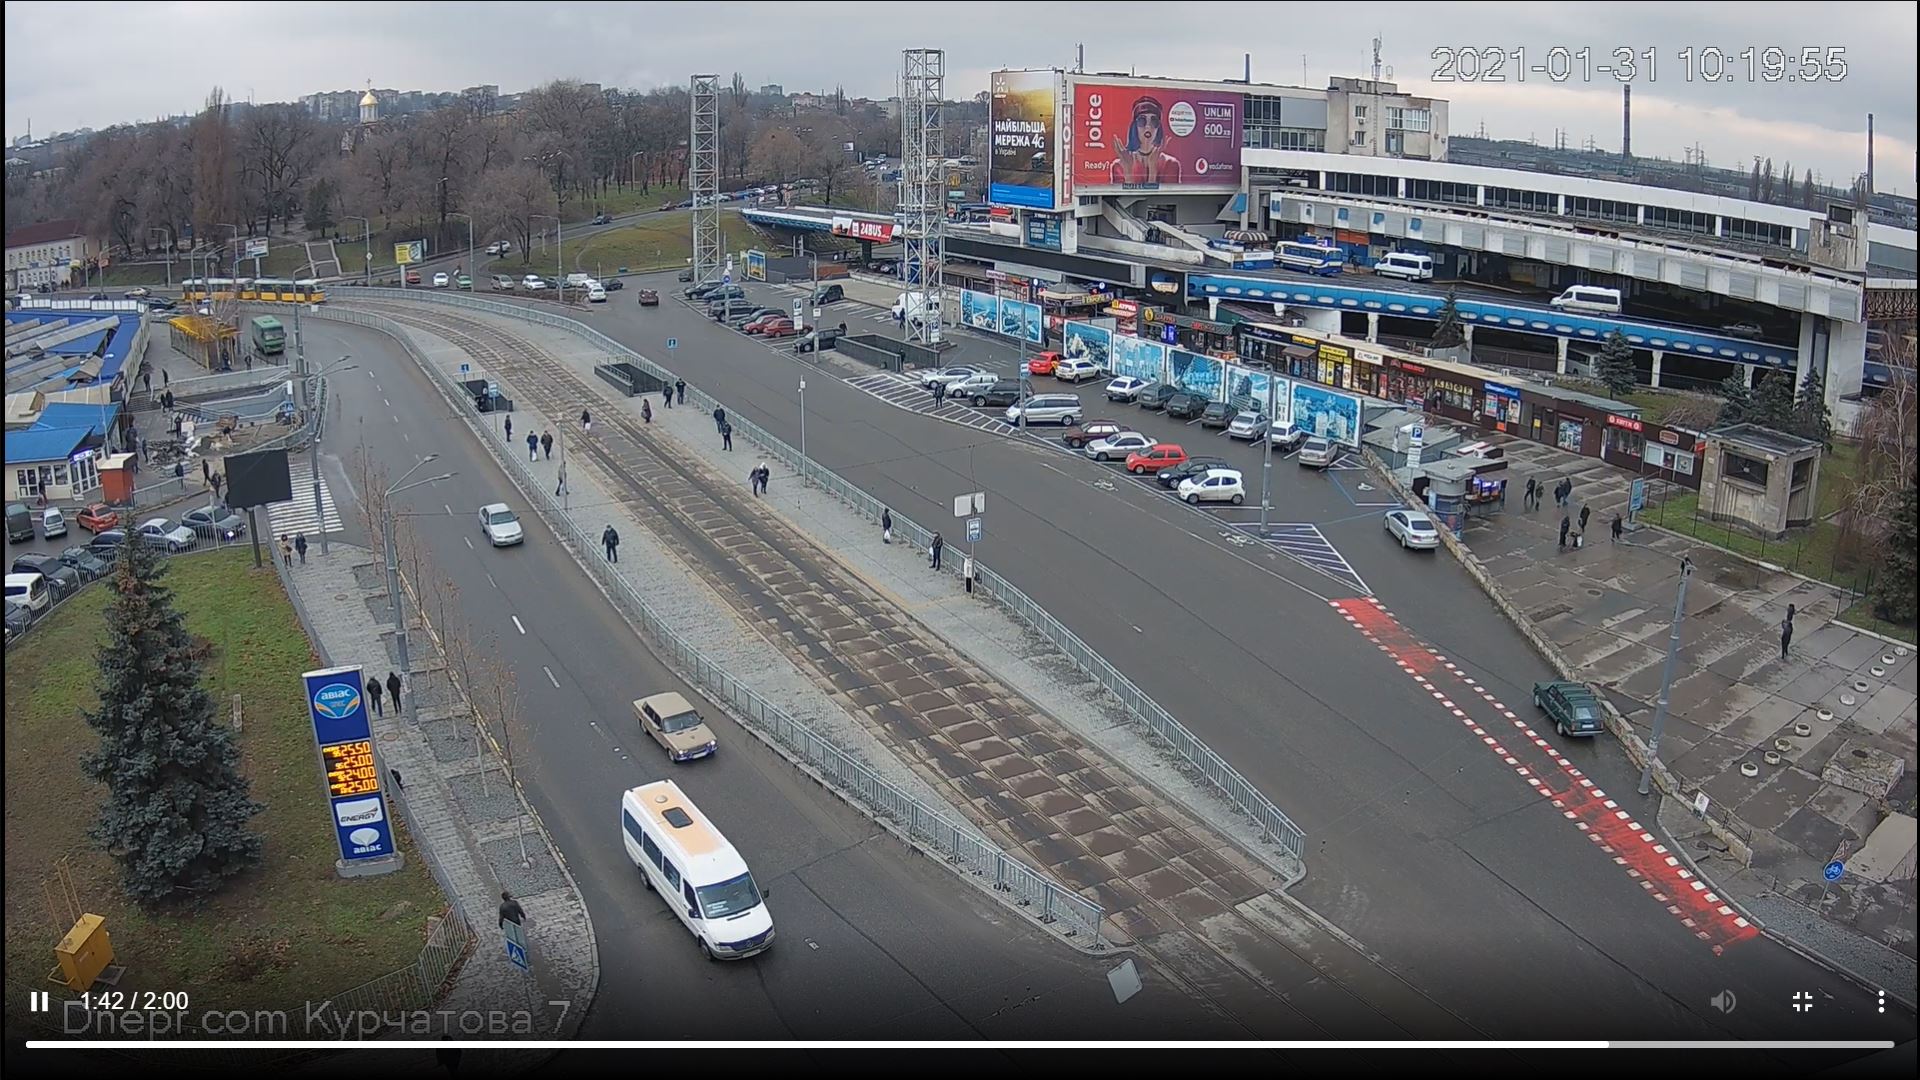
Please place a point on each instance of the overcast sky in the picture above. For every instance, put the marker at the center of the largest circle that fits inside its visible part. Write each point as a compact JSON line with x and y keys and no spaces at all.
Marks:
{"x":91,"y":65}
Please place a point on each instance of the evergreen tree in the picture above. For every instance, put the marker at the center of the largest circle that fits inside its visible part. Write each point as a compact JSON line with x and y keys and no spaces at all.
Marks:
{"x":1737,"y":407}
{"x":177,"y":805}
{"x":319,"y":212}
{"x":1614,"y":365}
{"x":1773,"y":402}
{"x":1893,"y":590}
{"x":1447,"y":333}
{"x":1811,"y":420}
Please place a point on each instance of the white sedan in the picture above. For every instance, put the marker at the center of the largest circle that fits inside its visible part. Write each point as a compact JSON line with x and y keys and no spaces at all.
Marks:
{"x":1125,"y":388}
{"x":1118,"y":446}
{"x":1413,"y":529}
{"x":948,"y":375}
{"x":501,"y":527}
{"x":1214,"y":485}
{"x":440,"y":281}
{"x":533,"y":283}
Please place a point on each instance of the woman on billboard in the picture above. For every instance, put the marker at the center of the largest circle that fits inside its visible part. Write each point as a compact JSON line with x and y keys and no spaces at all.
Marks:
{"x":1142,"y":157}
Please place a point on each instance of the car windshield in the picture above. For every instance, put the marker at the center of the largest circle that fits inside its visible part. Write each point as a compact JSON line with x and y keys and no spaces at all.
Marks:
{"x":730,"y":897}
{"x":500,"y":517}
{"x":685,"y":721}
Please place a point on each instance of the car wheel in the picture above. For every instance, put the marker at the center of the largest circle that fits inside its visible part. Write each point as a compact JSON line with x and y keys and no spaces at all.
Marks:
{"x":979,"y":403}
{"x":1100,"y":456}
{"x":706,"y":950}
{"x":1238,"y":499}
{"x":1136,"y":470}
{"x":645,"y":879}
{"x":1560,"y":728}
{"x":1536,"y":699}
{"x":1193,"y":499}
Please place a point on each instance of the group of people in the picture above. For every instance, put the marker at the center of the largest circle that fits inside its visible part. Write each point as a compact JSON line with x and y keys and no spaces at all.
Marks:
{"x":392,"y":690}
{"x":290,"y":547}
{"x":1571,"y":534}
{"x":759,"y":477}
{"x":537,"y":443}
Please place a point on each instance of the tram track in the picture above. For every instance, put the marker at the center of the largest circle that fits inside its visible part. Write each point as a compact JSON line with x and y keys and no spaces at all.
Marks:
{"x":1187,"y":897}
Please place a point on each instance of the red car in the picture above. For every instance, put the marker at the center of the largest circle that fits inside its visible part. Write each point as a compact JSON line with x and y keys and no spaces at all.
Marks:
{"x":755,"y":326}
{"x":98,"y":517}
{"x":649,"y":298}
{"x":1159,"y":456}
{"x":413,"y":277}
{"x":1043,"y":363}
{"x":779,"y":328}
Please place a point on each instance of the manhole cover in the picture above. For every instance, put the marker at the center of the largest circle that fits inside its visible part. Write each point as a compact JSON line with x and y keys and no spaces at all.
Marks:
{"x":1825,"y":714}
{"x":1886,"y":658}
{"x":1593,"y":592}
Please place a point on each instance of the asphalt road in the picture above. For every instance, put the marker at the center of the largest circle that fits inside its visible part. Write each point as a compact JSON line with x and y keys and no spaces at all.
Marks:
{"x":873,"y":940}
{"x":1423,"y":844}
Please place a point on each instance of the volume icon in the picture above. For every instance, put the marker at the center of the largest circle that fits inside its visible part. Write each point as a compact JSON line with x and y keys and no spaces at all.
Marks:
{"x":1724,"y":1001}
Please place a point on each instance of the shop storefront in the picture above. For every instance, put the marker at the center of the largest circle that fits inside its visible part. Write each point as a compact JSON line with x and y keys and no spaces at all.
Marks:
{"x":1671,"y":454}
{"x":1189,"y":333}
{"x":1408,"y":383}
{"x":1455,"y":396}
{"x":1500,"y":408}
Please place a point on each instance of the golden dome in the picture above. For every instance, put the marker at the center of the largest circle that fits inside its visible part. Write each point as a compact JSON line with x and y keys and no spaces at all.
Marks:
{"x":367,"y":99}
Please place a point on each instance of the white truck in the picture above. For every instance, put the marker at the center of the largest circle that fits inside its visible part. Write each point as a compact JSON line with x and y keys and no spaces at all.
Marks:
{"x":911,"y":304}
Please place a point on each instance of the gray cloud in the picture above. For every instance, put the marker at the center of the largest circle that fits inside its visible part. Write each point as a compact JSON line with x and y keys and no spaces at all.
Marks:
{"x":123,"y":71}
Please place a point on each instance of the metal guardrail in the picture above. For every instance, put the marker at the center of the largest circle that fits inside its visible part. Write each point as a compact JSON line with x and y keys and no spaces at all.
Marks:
{"x":1157,"y":720}
{"x":960,"y":846}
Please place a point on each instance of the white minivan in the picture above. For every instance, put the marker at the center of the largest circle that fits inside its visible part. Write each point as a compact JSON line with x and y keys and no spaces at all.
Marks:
{"x":29,"y":591}
{"x":1588,"y":298}
{"x":702,"y":878}
{"x":1405,"y":265}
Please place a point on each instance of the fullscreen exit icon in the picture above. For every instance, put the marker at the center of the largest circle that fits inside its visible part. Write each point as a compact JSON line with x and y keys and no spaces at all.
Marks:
{"x":1802,"y":1001}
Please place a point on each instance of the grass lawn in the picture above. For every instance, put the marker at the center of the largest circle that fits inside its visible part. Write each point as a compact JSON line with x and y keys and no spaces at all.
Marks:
{"x":617,"y":201}
{"x":289,"y":931}
{"x":657,"y":242}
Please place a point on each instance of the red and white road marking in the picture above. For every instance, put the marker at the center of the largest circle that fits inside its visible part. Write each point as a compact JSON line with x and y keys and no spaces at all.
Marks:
{"x":1632,"y":847}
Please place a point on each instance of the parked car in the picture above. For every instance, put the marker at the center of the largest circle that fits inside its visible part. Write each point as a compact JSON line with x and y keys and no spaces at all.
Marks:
{"x":53,"y":523}
{"x":160,"y":303}
{"x":19,"y":618}
{"x":1214,"y":485}
{"x":1216,"y":414}
{"x":1076,"y":370}
{"x":1412,"y":528}
{"x":749,"y":318}
{"x":161,"y":533}
{"x":503,"y":283}
{"x":107,"y":542}
{"x":1126,"y":388}
{"x":780,"y":327}
{"x":670,"y":721}
{"x":1571,"y":706}
{"x":139,"y":292}
{"x":97,"y":517}
{"x":964,"y":388}
{"x":823,"y":338}
{"x":500,"y":525}
{"x":1046,"y":409}
{"x":1154,"y":396}
{"x":1317,"y":453}
{"x":1078,"y":437}
{"x":30,"y":591}
{"x":1154,"y":458}
{"x":1117,"y":446}
{"x":1001,"y":392}
{"x":613,"y":284}
{"x":86,"y":563}
{"x":1246,"y":425}
{"x":1185,"y":404}
{"x":596,"y":294}
{"x":649,"y":298}
{"x":533,"y":283}
{"x":940,"y":376}
{"x":215,"y":522}
{"x":441,"y":280}
{"x":722,"y":310}
{"x":1286,"y":436}
{"x":19,"y":523}
{"x":827,"y":294}
{"x":699,"y":290}
{"x":600,"y":219}
{"x":1043,"y":363}
{"x":498,"y":247}
{"x":61,"y":578}
{"x":759,"y":319}
{"x":1193,"y":466}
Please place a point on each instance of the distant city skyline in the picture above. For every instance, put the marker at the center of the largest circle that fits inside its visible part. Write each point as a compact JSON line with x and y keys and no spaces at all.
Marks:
{"x":641,"y":46}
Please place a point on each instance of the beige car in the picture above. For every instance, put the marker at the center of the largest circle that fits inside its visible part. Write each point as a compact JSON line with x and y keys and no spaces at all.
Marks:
{"x":675,"y":726}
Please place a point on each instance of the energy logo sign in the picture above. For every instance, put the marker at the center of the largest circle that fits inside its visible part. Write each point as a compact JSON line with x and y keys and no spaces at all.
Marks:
{"x":344,"y":737}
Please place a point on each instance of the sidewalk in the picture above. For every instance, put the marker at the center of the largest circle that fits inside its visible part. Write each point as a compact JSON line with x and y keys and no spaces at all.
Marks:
{"x":462,"y":822}
{"x":1836,"y":714}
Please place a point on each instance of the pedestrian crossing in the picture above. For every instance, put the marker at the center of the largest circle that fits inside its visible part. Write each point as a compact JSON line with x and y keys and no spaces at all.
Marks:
{"x":904,"y":392}
{"x":296,"y":516}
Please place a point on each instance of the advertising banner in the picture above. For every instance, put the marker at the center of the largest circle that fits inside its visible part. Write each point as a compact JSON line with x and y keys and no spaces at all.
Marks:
{"x":1023,"y":124}
{"x":756,"y":266}
{"x":1139,"y":358}
{"x":1022,"y":320}
{"x":1254,"y":391}
{"x":1043,"y":232}
{"x":979,"y":311}
{"x":1201,"y":374}
{"x":1148,"y":137}
{"x":1085,"y":341}
{"x":344,"y":735}
{"x":1331,"y":415}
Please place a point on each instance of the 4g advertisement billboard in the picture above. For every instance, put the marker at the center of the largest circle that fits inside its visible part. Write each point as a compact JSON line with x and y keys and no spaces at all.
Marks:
{"x":1023,"y":124}
{"x":1150,"y":137}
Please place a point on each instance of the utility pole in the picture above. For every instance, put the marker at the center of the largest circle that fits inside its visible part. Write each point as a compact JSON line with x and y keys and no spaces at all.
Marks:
{"x":393,"y":563}
{"x":803,"y":419}
{"x":1266,"y":461}
{"x":1666,"y":676}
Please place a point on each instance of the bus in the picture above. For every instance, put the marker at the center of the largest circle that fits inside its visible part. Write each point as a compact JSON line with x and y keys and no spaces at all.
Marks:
{"x":267,"y":336}
{"x":1309,"y":258}
{"x":703,"y":880}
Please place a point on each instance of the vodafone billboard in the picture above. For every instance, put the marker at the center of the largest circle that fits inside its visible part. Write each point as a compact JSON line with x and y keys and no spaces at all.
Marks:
{"x":1151,"y":137}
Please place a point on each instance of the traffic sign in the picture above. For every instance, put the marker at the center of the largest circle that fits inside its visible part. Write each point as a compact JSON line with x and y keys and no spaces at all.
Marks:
{"x":1834,"y":870}
{"x":673,"y":343}
{"x":516,"y":945}
{"x":465,"y":368}
{"x":974,"y":531}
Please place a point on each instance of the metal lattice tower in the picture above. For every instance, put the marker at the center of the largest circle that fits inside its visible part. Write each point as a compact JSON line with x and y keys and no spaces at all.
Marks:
{"x":923,"y":213}
{"x":703,"y":176}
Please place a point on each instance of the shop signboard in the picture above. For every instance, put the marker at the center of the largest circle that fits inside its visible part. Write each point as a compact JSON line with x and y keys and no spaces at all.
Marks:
{"x":1146,"y":136}
{"x":1023,"y":125}
{"x":341,"y":729}
{"x":1043,"y":232}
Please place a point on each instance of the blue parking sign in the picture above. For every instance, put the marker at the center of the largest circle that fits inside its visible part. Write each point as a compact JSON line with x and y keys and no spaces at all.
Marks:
{"x":673,"y":343}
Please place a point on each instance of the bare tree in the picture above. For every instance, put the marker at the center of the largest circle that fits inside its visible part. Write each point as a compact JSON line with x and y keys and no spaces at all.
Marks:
{"x":513,"y":197}
{"x":279,"y":146}
{"x":1889,"y":441}
{"x":779,"y":156}
{"x":503,"y":699}
{"x":214,"y":197}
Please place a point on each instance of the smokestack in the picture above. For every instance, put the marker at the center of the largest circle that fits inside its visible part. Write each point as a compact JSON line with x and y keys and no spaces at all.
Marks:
{"x":1626,"y":123}
{"x":1247,"y":71}
{"x":1869,"y":155}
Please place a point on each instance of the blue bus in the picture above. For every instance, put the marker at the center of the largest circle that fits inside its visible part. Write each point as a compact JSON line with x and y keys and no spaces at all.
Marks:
{"x":1309,"y":258}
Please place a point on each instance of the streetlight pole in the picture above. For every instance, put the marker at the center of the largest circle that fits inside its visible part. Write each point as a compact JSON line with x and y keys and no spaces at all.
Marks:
{"x":366,"y":241}
{"x":168,"y":250}
{"x":1666,"y":676}
{"x":803,"y":419}
{"x":1266,"y":461}
{"x":393,"y":560}
{"x":472,"y":267}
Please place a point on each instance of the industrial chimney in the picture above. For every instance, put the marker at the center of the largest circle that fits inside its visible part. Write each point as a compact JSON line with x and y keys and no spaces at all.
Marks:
{"x":1626,"y":124}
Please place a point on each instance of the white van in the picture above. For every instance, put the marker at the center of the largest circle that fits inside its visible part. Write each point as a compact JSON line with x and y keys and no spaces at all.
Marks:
{"x":579,"y":281}
{"x":704,"y":881}
{"x":29,"y":591}
{"x":1589,"y":298}
{"x":1402,"y":264}
{"x":910,"y":304}
{"x":52,"y":522}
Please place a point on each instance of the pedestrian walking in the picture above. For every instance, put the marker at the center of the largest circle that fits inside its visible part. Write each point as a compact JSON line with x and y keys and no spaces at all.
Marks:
{"x":666,"y":397}
{"x":206,"y":471}
{"x":1585,"y":513}
{"x":1617,"y":527}
{"x":164,"y":380}
{"x":886,"y":525}
{"x":142,"y":443}
{"x":939,"y":392}
{"x":766,"y":477}
{"x":1786,"y":632}
{"x":218,"y":481}
{"x":510,"y":910}
{"x":1533,"y":492}
{"x":646,"y":411}
{"x":533,"y":447}
{"x":393,"y":688}
{"x":249,"y":359}
{"x":719,"y":418}
{"x":726,"y":436}
{"x":680,"y":390}
{"x":1566,"y":491}
{"x":753,"y":480}
{"x":611,"y":540}
{"x":1566,"y":523}
{"x":509,"y":429}
{"x":934,"y":549}
{"x":300,"y":546}
{"x":560,"y":483}
{"x":146,"y":380}
{"x":286,"y":552}
{"x":586,"y":420}
{"x":373,"y":695}
{"x":546,"y":444}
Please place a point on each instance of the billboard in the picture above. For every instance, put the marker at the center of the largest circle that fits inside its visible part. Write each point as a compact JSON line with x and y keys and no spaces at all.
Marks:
{"x":1252,"y":390}
{"x":1043,"y":232}
{"x":979,"y":311}
{"x":1023,"y":125}
{"x":1149,"y":137}
{"x":1197,"y":373}
{"x":756,"y":266}
{"x":1330,"y":415}
{"x":341,"y":729}
{"x":1138,"y":357}
{"x":1085,"y":341}
{"x":1019,"y":319}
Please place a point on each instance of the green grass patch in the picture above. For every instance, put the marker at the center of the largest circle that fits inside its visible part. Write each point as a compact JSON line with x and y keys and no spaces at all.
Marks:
{"x":656,"y":242}
{"x":1861,"y":615}
{"x":623,"y":200}
{"x":287,"y":932}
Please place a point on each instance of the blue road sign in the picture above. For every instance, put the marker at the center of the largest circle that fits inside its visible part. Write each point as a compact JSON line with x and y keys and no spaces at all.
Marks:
{"x":516,"y":945}
{"x":464,"y":368}
{"x":1834,"y":870}
{"x":673,"y":343}
{"x":726,"y":277}
{"x":973,"y":530}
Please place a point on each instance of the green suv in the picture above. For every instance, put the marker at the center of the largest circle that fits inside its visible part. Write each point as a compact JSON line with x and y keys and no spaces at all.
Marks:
{"x":1572,"y":707}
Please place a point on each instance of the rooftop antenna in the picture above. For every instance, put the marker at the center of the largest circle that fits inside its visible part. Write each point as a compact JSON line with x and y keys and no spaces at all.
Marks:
{"x":1305,"y":79}
{"x":1869,"y":153}
{"x":1080,"y":58}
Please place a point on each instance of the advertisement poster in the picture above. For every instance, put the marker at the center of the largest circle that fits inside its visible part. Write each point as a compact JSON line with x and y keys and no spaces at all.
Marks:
{"x":1139,"y":358}
{"x":1151,"y":137}
{"x":1022,"y":320}
{"x":1255,"y":391}
{"x":1085,"y":341}
{"x":1043,"y":232}
{"x":756,"y":266}
{"x":1200,"y":374}
{"x":1332,"y":416}
{"x":979,"y":311}
{"x":1023,"y":123}
{"x":1036,"y":324}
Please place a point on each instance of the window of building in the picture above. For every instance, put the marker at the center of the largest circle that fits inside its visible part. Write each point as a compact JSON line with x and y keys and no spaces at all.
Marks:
{"x":1359,"y":138}
{"x":1664,"y":217}
{"x":1408,"y":119}
{"x":1439,"y":191}
{"x":1757,"y":232}
{"x":1396,"y":142}
{"x":1601,"y":209}
{"x":1532,"y":202}
{"x":1359,"y":112}
{"x":1737,"y":466}
{"x":27,"y":481}
{"x":86,"y":473}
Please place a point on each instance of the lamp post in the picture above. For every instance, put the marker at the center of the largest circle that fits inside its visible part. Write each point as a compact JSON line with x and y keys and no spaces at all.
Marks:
{"x":1666,"y":676}
{"x":803,"y":420}
{"x":471,"y":265}
{"x":366,"y":240}
{"x":393,"y":559}
{"x":559,"y":259}
{"x":168,"y":249}
{"x":306,"y":404}
{"x":1266,"y":461}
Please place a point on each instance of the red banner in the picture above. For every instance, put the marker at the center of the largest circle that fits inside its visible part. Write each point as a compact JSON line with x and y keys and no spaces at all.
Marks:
{"x":1150,"y":137}
{"x":877,"y":231}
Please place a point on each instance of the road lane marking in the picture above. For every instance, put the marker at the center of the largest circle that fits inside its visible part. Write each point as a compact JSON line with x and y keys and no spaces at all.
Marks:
{"x":492,"y":582}
{"x":550,"y":678}
{"x":516,"y":623}
{"x":469,"y":543}
{"x":387,"y":403}
{"x":447,"y":508}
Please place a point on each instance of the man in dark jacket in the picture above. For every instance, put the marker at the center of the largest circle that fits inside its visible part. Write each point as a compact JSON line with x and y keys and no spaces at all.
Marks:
{"x":680,"y":390}
{"x":611,"y":540}
{"x":393,"y":689}
{"x":719,"y":418}
{"x":1566,"y":523}
{"x":373,"y":695}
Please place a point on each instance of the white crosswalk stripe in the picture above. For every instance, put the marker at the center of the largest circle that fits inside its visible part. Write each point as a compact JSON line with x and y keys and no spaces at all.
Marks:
{"x":904,"y":392}
{"x":296,"y":516}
